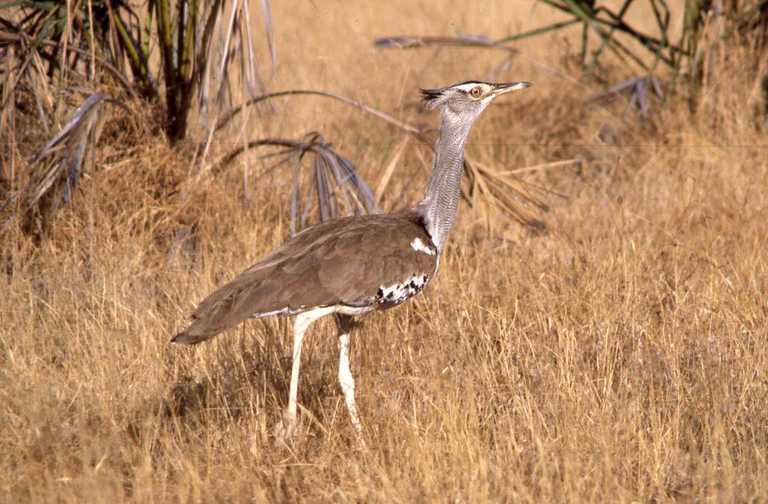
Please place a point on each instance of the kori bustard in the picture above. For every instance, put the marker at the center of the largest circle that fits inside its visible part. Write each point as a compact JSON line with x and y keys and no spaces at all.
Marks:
{"x":354,"y":265}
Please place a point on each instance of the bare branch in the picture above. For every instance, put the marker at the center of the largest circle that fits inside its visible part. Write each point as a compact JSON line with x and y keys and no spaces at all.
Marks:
{"x":229,"y":115}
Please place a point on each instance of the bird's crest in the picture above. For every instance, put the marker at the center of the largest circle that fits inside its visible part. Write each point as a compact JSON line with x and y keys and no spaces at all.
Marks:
{"x":432,"y":97}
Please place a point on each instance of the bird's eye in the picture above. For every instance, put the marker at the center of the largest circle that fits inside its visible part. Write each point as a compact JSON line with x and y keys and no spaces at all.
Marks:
{"x":476,"y":92}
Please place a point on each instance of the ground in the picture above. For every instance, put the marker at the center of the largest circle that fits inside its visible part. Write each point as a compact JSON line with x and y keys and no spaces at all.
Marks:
{"x":620,"y":355}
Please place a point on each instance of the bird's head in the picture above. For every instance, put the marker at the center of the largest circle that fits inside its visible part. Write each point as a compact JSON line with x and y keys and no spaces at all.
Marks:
{"x":467,"y":99}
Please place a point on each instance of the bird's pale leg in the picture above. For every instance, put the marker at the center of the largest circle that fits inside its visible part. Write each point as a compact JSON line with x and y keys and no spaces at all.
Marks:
{"x":300,"y":325}
{"x":346,"y":380}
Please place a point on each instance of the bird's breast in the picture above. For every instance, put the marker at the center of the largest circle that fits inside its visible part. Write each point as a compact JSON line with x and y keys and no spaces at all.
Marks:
{"x":419,"y":264}
{"x":394,"y":294}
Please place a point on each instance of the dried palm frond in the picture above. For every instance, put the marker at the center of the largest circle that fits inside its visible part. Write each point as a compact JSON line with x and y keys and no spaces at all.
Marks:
{"x":408,"y":42}
{"x":520,"y":200}
{"x":466,"y":41}
{"x":637,"y":87}
{"x":58,"y":166}
{"x":333,"y":179}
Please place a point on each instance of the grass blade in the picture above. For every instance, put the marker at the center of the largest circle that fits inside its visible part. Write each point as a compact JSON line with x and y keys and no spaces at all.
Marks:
{"x":266,"y":9}
{"x":390,"y":169}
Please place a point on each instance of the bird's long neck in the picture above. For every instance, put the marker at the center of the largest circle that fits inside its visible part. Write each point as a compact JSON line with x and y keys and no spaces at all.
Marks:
{"x":441,"y":200}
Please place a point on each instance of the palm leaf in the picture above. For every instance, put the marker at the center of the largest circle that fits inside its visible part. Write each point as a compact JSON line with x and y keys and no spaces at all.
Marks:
{"x":337,"y":188}
{"x":58,"y":165}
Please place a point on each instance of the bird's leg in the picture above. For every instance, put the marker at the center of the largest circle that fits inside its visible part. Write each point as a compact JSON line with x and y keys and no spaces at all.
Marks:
{"x":285,"y":431}
{"x":346,"y":380}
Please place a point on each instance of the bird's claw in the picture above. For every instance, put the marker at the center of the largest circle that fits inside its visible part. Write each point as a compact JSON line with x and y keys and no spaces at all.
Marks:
{"x":285,"y":429}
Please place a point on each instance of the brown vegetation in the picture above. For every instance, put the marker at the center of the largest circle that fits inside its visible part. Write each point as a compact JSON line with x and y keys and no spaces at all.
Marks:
{"x":619,"y":356}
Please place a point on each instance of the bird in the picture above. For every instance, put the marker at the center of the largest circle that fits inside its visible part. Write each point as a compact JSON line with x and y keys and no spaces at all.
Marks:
{"x":351,"y":266}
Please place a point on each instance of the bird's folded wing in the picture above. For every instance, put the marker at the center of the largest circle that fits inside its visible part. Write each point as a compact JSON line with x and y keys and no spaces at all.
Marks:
{"x":342,"y":262}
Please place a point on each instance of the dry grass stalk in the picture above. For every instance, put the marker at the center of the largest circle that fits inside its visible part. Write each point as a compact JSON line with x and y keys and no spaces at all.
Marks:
{"x":386,"y":175}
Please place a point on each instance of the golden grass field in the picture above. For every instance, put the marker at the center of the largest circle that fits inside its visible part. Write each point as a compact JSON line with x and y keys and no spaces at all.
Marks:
{"x":619,"y":357}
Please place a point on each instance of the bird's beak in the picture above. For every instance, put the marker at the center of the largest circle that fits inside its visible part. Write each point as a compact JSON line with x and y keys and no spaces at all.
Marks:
{"x":500,"y":89}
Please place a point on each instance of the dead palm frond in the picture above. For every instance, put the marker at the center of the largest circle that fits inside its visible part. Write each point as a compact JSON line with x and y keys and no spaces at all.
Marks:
{"x":638,"y":90}
{"x":477,"y":41}
{"x":330,"y":188}
{"x":58,"y":166}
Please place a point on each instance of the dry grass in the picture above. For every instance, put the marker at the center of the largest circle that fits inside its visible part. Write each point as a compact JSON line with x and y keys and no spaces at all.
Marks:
{"x":620,"y":357}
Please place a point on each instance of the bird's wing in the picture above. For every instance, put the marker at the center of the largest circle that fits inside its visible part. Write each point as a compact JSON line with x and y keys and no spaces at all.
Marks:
{"x":341,"y":262}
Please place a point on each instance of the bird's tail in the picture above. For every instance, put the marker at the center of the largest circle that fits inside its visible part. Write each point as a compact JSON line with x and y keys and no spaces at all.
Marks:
{"x":194,"y":334}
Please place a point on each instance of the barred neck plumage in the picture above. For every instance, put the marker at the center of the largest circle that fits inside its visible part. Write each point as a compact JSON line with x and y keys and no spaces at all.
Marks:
{"x":441,"y":200}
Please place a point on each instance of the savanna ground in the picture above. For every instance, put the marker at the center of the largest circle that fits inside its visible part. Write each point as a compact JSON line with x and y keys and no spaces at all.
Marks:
{"x":619,"y":356}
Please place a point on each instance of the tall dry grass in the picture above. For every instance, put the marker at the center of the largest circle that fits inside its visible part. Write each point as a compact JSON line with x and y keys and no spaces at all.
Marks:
{"x":619,"y":357}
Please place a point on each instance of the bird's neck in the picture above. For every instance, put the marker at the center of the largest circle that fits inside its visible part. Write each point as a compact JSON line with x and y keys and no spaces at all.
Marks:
{"x":441,"y":201}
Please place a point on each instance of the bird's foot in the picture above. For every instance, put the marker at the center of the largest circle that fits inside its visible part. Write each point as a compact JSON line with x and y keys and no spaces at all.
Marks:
{"x":360,"y":445}
{"x":285,"y":429}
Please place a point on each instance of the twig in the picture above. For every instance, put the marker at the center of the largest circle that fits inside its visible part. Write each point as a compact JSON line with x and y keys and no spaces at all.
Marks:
{"x":544,"y":166}
{"x":413,"y":42}
{"x":353,"y":103}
